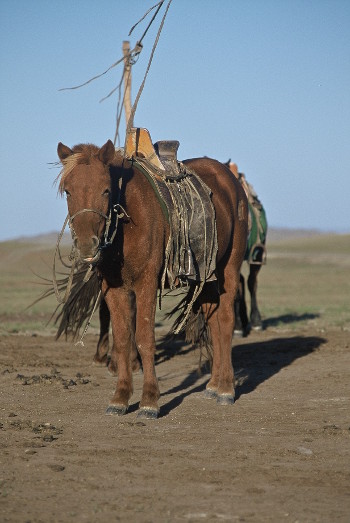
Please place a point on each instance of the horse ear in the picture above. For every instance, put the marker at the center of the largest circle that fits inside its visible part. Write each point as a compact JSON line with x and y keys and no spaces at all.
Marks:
{"x":63,"y":151}
{"x":106,"y":153}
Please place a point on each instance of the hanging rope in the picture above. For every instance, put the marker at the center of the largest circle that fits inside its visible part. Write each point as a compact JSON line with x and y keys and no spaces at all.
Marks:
{"x":134,"y":107}
{"x":59,"y":298}
{"x":132,"y":55}
{"x":159,"y":5}
{"x":131,"y":58}
{"x":81,"y":341}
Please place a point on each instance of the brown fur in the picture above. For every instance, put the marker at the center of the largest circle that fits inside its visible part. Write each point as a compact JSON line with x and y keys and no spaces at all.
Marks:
{"x":243,"y":325}
{"x":131,"y":268}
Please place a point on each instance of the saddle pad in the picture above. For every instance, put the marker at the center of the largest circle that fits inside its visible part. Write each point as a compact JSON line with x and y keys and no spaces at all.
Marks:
{"x":187,"y":205}
{"x":257,"y":229}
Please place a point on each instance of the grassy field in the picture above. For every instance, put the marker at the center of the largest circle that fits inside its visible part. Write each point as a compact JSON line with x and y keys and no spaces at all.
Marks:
{"x":306,"y":281}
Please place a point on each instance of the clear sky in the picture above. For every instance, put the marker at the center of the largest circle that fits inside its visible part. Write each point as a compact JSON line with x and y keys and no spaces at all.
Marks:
{"x":263,"y":82}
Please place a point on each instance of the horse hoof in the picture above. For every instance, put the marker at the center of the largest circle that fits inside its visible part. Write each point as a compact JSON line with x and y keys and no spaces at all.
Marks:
{"x":257,"y":328}
{"x":238,"y":333}
{"x":101,"y":360}
{"x":225,"y":399}
{"x":210,"y":394}
{"x":96,"y":361}
{"x":113,"y":371}
{"x":147,"y":413}
{"x":116,"y":410}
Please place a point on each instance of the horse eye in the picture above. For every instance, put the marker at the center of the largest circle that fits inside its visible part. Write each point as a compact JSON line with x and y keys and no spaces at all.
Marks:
{"x":67,"y":193}
{"x":107,"y":192}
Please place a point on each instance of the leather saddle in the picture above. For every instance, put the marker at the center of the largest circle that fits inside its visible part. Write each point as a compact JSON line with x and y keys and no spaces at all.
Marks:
{"x":192,"y":247}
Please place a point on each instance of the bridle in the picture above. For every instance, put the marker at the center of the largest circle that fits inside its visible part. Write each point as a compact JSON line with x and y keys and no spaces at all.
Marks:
{"x":108,"y":221}
{"x":108,"y":238}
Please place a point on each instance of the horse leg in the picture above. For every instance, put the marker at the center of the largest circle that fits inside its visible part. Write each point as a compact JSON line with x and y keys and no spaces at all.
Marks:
{"x":221,"y":319}
{"x":146,"y":300}
{"x":255,"y":318}
{"x":120,"y":304}
{"x":134,"y":355}
{"x":221,"y":324}
{"x":101,"y":355}
{"x":241,"y":317}
{"x":211,"y":317}
{"x":226,"y":319}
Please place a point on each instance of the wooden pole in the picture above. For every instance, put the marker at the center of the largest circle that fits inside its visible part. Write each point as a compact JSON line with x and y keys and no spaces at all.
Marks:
{"x":127,"y":81}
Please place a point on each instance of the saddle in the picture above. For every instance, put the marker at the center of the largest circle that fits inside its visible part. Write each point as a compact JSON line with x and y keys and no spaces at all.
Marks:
{"x":190,"y":256}
{"x":257,"y":223}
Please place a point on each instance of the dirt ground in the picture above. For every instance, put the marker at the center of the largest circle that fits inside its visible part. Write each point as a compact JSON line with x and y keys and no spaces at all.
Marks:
{"x":281,"y":453}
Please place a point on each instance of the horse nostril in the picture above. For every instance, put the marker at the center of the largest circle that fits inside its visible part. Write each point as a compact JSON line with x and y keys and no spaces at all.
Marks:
{"x":95,"y":241}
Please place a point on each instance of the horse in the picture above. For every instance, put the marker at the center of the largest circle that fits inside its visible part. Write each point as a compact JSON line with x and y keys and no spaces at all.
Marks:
{"x":130,"y":262}
{"x":255,"y":256}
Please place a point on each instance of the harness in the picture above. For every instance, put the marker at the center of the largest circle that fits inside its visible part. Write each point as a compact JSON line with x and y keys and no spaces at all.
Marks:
{"x":190,"y":256}
{"x":106,"y":242}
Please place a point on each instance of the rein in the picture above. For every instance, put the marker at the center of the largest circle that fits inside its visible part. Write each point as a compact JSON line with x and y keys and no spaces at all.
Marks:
{"x":73,"y":256}
{"x":70,"y":278}
{"x":107,"y":241}
{"x":107,"y":218}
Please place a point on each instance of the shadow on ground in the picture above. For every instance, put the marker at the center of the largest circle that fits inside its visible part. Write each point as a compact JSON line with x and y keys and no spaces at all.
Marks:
{"x":253,"y":362}
{"x":289,"y":318}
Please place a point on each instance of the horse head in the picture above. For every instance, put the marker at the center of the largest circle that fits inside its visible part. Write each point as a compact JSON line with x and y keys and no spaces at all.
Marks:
{"x":86,"y":181}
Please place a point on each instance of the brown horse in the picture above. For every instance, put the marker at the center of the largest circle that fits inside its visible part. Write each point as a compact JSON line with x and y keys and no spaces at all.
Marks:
{"x":255,"y":256}
{"x":131,"y":261}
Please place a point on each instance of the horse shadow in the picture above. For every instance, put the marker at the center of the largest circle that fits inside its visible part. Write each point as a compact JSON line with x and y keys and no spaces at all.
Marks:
{"x":289,"y":318}
{"x":253,"y":363}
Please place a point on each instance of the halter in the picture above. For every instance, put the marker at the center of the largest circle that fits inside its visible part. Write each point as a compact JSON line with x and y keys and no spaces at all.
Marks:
{"x":107,"y":218}
{"x":107,"y":241}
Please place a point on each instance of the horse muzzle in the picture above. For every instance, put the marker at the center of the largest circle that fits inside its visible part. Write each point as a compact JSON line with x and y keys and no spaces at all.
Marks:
{"x":89,"y":251}
{"x":88,"y":247}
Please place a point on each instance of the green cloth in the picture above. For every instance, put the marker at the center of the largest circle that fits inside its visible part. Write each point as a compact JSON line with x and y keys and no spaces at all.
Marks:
{"x":257,"y":234}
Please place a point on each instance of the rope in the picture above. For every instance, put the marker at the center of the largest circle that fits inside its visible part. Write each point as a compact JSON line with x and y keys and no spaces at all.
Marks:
{"x":69,"y":219}
{"x":70,"y":278}
{"x":199,"y":287}
{"x":133,"y":110}
{"x":80,"y":342}
{"x":133,"y":54}
{"x":91,"y":268}
{"x":131,"y":57}
{"x":159,"y":5}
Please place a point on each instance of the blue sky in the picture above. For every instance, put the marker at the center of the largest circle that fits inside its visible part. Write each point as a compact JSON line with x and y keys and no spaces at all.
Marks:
{"x":263,"y":82}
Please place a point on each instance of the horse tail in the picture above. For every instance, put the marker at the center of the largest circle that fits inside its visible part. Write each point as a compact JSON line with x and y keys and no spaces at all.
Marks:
{"x":71,"y":315}
{"x":196,"y":330}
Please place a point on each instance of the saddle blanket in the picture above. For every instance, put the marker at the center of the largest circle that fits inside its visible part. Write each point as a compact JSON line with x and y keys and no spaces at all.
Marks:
{"x":186,"y":202}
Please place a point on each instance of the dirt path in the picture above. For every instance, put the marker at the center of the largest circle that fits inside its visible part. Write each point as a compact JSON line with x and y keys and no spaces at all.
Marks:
{"x":281,"y":453}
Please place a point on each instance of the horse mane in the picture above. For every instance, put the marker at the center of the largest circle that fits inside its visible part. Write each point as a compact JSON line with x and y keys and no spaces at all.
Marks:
{"x":82,"y":154}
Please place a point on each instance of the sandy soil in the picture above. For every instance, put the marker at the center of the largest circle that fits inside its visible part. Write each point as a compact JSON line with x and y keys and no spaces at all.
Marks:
{"x":281,"y":453}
